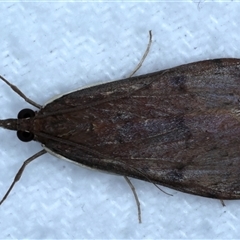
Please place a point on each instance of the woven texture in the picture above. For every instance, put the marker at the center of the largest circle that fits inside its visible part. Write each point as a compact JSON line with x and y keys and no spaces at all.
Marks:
{"x":51,"y":48}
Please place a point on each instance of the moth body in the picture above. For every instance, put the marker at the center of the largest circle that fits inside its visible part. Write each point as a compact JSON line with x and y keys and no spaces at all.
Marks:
{"x":179,"y":127}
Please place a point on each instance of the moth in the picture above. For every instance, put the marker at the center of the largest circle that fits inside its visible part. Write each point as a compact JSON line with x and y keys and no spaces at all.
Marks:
{"x":178,"y":128}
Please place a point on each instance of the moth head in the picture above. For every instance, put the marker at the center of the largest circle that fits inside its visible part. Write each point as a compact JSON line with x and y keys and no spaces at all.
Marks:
{"x":19,"y":123}
{"x":24,"y":135}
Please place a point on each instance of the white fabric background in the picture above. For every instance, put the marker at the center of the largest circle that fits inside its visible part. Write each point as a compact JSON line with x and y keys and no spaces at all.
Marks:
{"x":51,"y":48}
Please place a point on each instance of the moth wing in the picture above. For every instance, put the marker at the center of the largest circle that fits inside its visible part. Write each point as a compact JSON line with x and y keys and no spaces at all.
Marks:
{"x":179,"y":128}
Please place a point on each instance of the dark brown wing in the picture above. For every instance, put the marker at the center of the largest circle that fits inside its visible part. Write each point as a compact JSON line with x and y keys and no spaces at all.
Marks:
{"x":179,"y":128}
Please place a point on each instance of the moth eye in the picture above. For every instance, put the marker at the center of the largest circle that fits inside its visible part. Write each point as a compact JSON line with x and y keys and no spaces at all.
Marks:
{"x":25,"y":136}
{"x":26,"y":113}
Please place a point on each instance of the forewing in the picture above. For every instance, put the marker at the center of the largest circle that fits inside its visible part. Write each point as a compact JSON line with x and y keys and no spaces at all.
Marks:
{"x":179,"y":127}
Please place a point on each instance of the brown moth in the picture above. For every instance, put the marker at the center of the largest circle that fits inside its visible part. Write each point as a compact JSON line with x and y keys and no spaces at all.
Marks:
{"x":179,"y":128}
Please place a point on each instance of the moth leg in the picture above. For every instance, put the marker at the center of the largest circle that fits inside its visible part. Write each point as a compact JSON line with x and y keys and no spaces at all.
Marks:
{"x":136,"y":198}
{"x":222,"y":202}
{"x":20,"y":93}
{"x":144,"y":55}
{"x":20,"y":171}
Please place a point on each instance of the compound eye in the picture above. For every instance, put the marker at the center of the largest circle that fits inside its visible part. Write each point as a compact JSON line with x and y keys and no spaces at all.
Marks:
{"x":25,"y":136}
{"x":26,"y":113}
